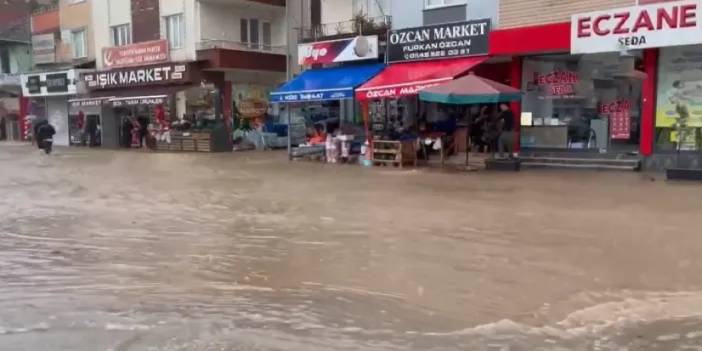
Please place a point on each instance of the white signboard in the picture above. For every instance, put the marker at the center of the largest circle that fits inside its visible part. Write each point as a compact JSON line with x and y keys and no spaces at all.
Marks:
{"x":44,"y":48}
{"x":638,"y":27}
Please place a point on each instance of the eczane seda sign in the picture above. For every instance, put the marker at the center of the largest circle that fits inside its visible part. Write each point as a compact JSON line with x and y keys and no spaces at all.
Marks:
{"x":639,"y":27}
{"x":439,"y":41}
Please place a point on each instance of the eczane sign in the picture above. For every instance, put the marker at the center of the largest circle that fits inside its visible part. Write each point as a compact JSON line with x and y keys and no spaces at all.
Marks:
{"x":638,"y":27}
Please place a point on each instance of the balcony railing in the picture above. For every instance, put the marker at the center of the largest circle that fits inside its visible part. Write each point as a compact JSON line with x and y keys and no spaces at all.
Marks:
{"x":234,"y":45}
{"x":360,"y":25}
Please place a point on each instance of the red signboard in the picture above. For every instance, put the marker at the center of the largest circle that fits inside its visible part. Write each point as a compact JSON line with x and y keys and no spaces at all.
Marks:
{"x":619,"y":113}
{"x":135,"y":54}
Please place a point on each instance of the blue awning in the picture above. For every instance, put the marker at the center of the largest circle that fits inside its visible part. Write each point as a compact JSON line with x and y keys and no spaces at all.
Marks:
{"x":326,"y":83}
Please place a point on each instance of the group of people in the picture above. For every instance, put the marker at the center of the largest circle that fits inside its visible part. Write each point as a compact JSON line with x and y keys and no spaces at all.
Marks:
{"x":139,"y":132}
{"x":494,"y":131}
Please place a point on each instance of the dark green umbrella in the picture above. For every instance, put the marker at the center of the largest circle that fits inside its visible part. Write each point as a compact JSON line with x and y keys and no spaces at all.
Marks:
{"x":470,"y":89}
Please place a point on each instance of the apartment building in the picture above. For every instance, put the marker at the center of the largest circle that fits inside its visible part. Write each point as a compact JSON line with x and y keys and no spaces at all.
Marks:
{"x":197,"y":58}
{"x":15,"y":57}
{"x":62,"y":42}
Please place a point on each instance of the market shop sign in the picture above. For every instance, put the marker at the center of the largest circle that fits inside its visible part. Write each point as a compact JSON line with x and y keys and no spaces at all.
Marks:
{"x":449,"y":40}
{"x":639,"y":27}
{"x":399,"y":91}
{"x":137,"y":76}
{"x":312,"y":96}
{"x":140,"y":101}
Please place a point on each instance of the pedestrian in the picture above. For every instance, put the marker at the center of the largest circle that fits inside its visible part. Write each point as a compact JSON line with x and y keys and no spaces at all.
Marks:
{"x":506,"y":127}
{"x":45,"y":132}
{"x":491,"y":132}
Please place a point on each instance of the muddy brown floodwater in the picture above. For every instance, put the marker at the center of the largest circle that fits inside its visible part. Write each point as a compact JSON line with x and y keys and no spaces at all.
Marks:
{"x":105,"y":250}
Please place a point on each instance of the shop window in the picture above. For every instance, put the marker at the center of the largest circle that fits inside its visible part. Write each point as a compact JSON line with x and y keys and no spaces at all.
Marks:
{"x":589,"y":102}
{"x":121,"y":35}
{"x":175,"y":31}
{"x":78,"y":43}
{"x":679,"y":105}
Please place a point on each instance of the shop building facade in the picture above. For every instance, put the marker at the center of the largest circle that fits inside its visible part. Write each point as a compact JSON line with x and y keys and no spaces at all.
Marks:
{"x":230,"y":52}
{"x":604,"y":77}
{"x":15,"y":57}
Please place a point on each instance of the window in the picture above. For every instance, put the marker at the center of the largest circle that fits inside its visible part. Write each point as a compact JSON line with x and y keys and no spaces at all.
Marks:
{"x":78,"y":43}
{"x":590,"y":102}
{"x":4,"y":60}
{"x":442,"y":3}
{"x":266,"y":32}
{"x":679,"y":107}
{"x":175,"y":31}
{"x":244,"y":30}
{"x":121,"y":35}
{"x":253,"y":33}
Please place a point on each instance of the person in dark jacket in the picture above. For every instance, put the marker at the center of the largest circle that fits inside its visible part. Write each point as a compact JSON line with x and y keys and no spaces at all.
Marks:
{"x":44,"y":133}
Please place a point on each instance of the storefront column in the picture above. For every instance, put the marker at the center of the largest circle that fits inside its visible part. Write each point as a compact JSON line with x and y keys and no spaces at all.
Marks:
{"x":365,"y":110}
{"x":516,"y":106}
{"x":227,"y":108}
{"x":23,"y":111}
{"x":648,"y":105}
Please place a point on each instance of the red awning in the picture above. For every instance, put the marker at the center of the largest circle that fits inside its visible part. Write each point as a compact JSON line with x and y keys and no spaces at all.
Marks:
{"x":403,"y":79}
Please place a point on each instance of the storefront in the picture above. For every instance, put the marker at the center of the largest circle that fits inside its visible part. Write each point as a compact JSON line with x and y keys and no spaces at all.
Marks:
{"x":48,"y":94}
{"x":163,"y":106}
{"x":12,"y":107}
{"x":618,"y":84}
{"x":420,"y":58}
{"x":320,"y":101}
{"x":581,"y":102}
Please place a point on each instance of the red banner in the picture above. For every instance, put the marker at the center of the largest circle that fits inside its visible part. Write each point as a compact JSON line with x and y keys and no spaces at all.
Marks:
{"x":135,"y":54}
{"x":619,"y":113}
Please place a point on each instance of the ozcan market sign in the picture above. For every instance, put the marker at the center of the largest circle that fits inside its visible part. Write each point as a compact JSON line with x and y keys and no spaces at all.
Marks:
{"x":639,"y":27}
{"x":138,"y":76}
{"x":449,"y":40}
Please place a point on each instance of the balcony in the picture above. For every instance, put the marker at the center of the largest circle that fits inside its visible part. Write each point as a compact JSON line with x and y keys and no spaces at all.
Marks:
{"x":280,"y":3}
{"x":360,"y":25}
{"x":46,"y":21}
{"x":224,"y":54}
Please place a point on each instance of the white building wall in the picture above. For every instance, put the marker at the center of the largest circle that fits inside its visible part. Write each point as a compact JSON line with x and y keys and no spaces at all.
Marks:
{"x":223,"y":21}
{"x":189,"y":9}
{"x":107,"y":13}
{"x":118,"y":12}
{"x":334,"y":11}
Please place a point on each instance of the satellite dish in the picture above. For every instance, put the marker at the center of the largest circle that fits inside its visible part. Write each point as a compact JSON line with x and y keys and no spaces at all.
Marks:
{"x":362,"y":46}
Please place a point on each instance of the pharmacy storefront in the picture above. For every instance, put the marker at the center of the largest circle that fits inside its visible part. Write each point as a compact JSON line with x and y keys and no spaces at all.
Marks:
{"x":638,"y":77}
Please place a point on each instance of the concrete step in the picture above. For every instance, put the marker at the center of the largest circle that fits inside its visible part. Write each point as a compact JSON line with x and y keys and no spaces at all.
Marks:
{"x":626,"y":164}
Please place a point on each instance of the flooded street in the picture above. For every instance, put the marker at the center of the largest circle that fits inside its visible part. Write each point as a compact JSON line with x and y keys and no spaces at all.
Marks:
{"x":105,"y":250}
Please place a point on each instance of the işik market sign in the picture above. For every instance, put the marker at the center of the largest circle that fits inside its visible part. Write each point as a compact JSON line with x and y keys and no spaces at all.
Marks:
{"x":639,"y":27}
{"x":137,"y":76}
{"x":439,"y":41}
